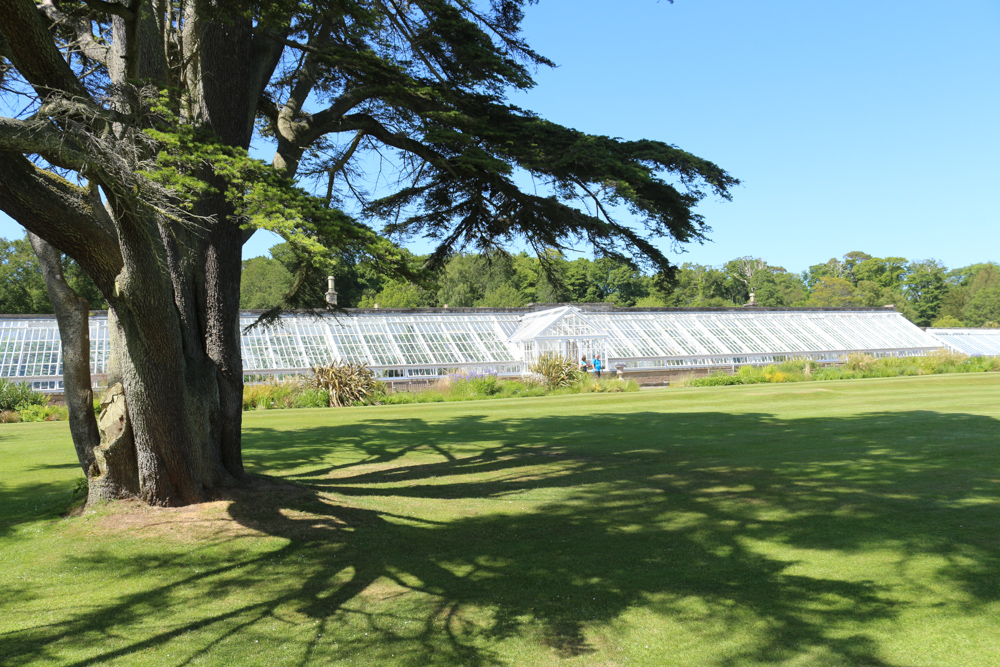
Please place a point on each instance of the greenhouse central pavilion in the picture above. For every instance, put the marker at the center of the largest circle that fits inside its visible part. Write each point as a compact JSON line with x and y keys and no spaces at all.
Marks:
{"x":420,"y":344}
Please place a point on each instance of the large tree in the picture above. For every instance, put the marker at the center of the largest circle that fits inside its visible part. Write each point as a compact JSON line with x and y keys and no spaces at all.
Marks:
{"x":129,"y":154}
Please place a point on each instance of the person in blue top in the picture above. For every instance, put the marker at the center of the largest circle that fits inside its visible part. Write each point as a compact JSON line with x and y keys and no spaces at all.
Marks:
{"x":597,"y":365}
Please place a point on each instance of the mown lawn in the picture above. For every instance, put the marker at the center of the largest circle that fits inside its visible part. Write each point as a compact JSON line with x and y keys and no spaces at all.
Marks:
{"x":829,"y":523}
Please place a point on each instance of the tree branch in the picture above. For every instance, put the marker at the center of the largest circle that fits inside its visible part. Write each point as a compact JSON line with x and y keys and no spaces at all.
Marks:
{"x":111,"y":8}
{"x":62,"y":214}
{"x":373,"y":128}
{"x":85,"y":41}
{"x":325,"y":121}
{"x":34,"y":53}
{"x":40,"y":137}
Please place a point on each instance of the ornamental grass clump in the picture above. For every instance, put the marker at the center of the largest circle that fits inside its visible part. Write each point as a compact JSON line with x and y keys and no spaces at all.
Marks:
{"x":557,"y":370}
{"x":348,"y":383}
{"x":860,"y":362}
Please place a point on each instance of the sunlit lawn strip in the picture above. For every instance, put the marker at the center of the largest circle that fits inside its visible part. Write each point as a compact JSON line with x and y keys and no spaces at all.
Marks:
{"x":825,"y":523}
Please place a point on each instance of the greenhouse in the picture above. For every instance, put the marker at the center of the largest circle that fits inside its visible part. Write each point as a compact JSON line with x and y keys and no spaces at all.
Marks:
{"x":973,"y":342}
{"x":420,"y":344}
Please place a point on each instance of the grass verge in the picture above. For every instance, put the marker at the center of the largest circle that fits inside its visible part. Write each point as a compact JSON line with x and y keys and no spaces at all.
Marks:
{"x":834,"y":523}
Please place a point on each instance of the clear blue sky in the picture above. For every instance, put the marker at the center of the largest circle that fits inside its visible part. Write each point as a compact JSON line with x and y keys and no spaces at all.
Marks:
{"x":853,"y":125}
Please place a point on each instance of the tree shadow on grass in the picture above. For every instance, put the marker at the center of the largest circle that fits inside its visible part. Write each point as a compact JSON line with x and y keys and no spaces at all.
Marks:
{"x":25,"y":503}
{"x":697,"y":520}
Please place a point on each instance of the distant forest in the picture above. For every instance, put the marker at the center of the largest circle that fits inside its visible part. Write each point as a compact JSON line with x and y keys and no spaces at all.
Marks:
{"x":924,"y":291}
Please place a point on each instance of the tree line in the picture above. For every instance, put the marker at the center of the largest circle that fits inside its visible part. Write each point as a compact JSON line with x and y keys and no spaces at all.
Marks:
{"x":924,"y":291}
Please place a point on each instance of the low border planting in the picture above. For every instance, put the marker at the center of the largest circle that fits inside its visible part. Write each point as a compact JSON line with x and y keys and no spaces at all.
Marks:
{"x":20,"y":403}
{"x":855,"y":366}
{"x":462,"y":386}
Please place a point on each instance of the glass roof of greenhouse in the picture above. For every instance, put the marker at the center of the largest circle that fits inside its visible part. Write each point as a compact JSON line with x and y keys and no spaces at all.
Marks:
{"x":973,"y":342}
{"x":556,"y":323}
{"x":429,"y":342}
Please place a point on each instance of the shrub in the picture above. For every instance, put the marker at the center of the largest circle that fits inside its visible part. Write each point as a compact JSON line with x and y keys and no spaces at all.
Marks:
{"x":14,"y":396}
{"x":947,"y":321}
{"x":473,"y":384}
{"x":715,"y":380}
{"x":557,"y":370}
{"x":348,"y":383}
{"x":43,"y":413}
{"x":752,"y":374}
{"x":777,"y":376}
{"x":987,"y":364}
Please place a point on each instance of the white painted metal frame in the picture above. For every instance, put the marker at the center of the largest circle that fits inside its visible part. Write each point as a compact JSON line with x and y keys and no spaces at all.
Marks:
{"x":420,"y":345}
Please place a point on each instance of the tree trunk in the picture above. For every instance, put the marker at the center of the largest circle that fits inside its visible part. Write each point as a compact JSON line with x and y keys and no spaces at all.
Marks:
{"x":73,"y":316}
{"x":172,"y":433}
{"x":175,"y":347}
{"x":170,"y":428}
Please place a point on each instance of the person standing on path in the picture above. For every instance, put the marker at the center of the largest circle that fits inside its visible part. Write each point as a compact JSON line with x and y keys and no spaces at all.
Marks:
{"x":597,"y":365}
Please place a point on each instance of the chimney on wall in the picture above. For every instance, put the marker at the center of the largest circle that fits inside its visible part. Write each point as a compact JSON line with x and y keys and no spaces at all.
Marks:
{"x":331,"y":295}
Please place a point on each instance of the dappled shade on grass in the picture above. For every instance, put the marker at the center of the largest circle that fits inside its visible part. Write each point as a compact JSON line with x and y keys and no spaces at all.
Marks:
{"x":675,"y":533}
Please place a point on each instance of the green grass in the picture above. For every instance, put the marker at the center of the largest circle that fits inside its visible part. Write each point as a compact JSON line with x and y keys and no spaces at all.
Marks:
{"x":828,"y":523}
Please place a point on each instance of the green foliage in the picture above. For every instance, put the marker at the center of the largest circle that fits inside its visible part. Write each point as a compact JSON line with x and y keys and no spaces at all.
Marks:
{"x":886,"y":273}
{"x":589,"y":384}
{"x":22,"y":286}
{"x":263,"y":197}
{"x":984,"y":307}
{"x":557,"y":370}
{"x":925,"y":289}
{"x":275,"y":395}
{"x":398,"y":294}
{"x":472,"y":385}
{"x":502,"y":296}
{"x":502,"y":281}
{"x":469,"y":386}
{"x":794,"y":371}
{"x":43,"y":413}
{"x":715,"y":380}
{"x":854,"y":366}
{"x":347,"y":383}
{"x":18,"y":396}
{"x":947,"y":321}
{"x":832,"y":292}
{"x":263,"y":283}
{"x":860,"y":362}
